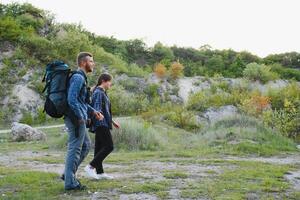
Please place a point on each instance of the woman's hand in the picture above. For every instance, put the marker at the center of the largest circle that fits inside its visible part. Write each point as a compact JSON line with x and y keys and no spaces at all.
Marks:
{"x":98,"y":115}
{"x":116,"y":124}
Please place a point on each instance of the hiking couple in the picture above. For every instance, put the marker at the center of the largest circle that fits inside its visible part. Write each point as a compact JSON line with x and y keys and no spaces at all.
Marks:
{"x":98,"y":112}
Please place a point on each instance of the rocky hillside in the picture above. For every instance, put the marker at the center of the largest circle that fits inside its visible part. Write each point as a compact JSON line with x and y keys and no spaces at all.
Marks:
{"x":182,"y":86}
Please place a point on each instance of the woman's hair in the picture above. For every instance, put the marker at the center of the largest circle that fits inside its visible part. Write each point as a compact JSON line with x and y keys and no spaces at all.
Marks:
{"x":103,"y":78}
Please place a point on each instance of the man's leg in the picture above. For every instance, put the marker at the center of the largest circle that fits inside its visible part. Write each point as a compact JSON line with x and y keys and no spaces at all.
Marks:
{"x":73,"y":154}
{"x":86,"y":146}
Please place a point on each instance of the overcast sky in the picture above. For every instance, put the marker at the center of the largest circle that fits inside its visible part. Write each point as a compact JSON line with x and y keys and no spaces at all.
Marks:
{"x":260,"y":26}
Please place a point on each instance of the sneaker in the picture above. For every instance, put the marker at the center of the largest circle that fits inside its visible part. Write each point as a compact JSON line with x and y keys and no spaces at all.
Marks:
{"x":91,"y":172}
{"x":104,"y":176}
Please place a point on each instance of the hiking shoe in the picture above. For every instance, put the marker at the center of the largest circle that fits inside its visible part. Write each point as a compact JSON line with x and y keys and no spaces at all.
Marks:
{"x":62,"y":177}
{"x":104,"y":176}
{"x":79,"y":187}
{"x":91,"y":172}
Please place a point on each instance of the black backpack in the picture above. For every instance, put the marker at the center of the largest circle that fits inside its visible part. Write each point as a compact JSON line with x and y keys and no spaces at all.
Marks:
{"x":57,"y":78}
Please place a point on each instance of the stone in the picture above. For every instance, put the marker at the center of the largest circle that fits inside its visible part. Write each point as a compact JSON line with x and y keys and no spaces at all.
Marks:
{"x":24,"y":132}
{"x":216,"y":114}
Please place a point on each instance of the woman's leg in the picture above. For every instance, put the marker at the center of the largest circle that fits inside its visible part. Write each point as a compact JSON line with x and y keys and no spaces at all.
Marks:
{"x":105,"y":149}
{"x":98,"y":147}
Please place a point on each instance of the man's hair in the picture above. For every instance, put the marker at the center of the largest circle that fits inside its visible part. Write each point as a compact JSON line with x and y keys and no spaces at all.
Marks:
{"x":104,"y":78}
{"x":82,"y":57}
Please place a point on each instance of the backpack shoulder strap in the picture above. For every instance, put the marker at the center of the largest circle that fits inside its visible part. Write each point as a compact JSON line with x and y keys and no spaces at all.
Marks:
{"x":77,"y":72}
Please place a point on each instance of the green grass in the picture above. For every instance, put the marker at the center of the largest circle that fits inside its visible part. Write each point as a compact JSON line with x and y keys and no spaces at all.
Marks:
{"x":17,"y":184}
{"x":241,"y":179}
{"x":175,"y":174}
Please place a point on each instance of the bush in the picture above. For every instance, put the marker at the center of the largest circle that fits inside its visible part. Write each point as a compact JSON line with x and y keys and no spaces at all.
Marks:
{"x":10,"y":30}
{"x":181,"y":118}
{"x":40,"y":116}
{"x":286,"y":120}
{"x":291,"y":93}
{"x":176,"y":70}
{"x":286,"y":73}
{"x":124,"y":103}
{"x":244,"y":134}
{"x":135,"y":70}
{"x":255,"y":104}
{"x":202,"y":100}
{"x":135,"y":135}
{"x":27,"y":118}
{"x":257,"y":72}
{"x":39,"y":47}
{"x":152,"y":90}
{"x":160,"y":70}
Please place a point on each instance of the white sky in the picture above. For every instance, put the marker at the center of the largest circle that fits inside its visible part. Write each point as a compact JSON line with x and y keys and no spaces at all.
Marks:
{"x":259,"y":26}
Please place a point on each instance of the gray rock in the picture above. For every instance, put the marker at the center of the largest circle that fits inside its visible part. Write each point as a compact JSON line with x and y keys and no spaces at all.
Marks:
{"x":176,"y":99}
{"x":24,"y":132}
{"x":215,"y":114}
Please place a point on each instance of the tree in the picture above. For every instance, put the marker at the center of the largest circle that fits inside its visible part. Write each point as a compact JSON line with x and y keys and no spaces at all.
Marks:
{"x":160,"y":52}
{"x":160,"y":70}
{"x":215,"y":64}
{"x":176,"y":70}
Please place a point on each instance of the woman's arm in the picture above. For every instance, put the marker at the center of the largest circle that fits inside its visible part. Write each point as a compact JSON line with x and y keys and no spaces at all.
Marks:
{"x":97,"y":101}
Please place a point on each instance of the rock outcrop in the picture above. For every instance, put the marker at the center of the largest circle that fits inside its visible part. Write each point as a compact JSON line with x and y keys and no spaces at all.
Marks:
{"x":24,"y":132}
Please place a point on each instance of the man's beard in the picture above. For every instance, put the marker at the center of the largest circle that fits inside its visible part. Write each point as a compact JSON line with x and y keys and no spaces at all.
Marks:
{"x":89,"y":69}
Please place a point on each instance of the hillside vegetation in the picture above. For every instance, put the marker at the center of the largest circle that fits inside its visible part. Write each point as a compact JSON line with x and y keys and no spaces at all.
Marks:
{"x":146,"y":78}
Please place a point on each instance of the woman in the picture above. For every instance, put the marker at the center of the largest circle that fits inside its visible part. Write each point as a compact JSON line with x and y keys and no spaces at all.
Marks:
{"x":103,"y":138}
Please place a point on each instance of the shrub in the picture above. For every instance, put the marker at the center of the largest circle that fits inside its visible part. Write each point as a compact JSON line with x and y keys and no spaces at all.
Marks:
{"x":176,"y":70}
{"x":255,"y":104}
{"x":27,"y":20}
{"x":129,"y":84}
{"x":135,"y":135}
{"x":40,"y":48}
{"x":10,"y":30}
{"x":291,"y":93}
{"x":202,"y":100}
{"x":40,"y":116}
{"x":135,"y":70}
{"x":27,"y":118}
{"x":286,"y":73}
{"x":181,"y":118}
{"x":286,"y":120}
{"x":160,"y":70}
{"x":124,"y":103}
{"x":151,"y":90}
{"x":244,"y":134}
{"x":257,"y":72}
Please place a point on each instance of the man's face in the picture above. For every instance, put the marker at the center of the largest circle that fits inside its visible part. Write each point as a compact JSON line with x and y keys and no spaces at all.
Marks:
{"x":89,"y":64}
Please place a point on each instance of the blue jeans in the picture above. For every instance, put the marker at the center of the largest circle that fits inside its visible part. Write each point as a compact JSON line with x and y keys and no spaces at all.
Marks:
{"x":78,"y":148}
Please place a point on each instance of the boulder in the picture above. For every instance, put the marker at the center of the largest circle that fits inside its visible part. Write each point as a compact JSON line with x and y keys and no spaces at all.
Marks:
{"x":215,"y":114}
{"x":24,"y":132}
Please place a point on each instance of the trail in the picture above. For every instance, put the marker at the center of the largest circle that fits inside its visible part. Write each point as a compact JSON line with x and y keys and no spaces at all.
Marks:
{"x":54,"y":126}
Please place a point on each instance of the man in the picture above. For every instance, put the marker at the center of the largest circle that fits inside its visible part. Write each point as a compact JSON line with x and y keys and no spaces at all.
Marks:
{"x":76,"y":118}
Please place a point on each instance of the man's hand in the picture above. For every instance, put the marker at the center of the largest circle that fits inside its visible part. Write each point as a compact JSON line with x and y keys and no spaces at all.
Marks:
{"x":98,"y":115}
{"x":116,"y":124}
